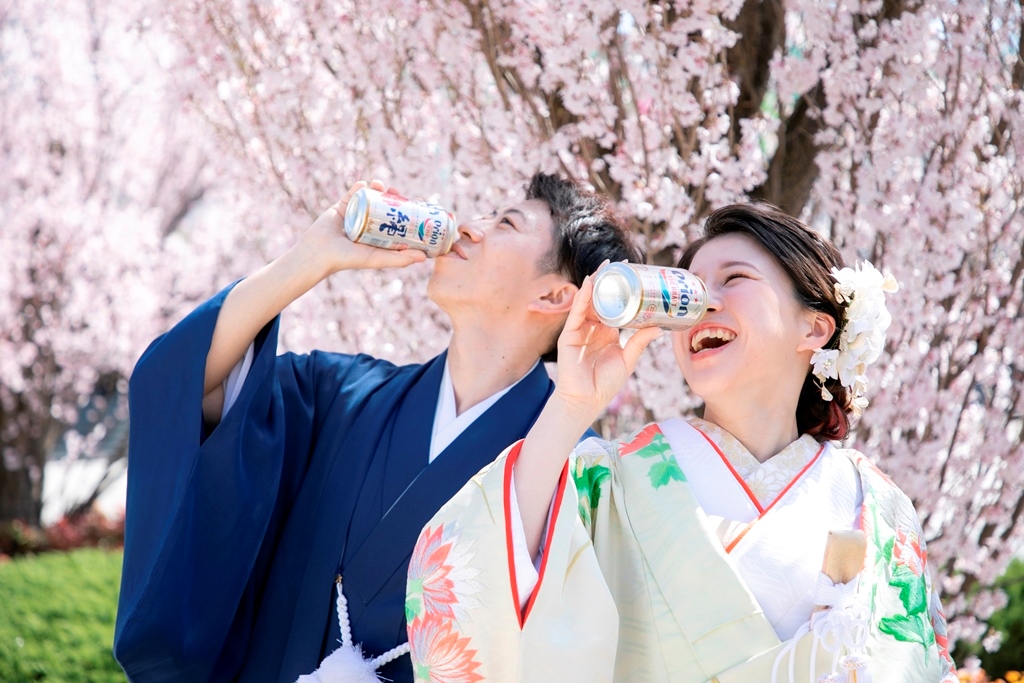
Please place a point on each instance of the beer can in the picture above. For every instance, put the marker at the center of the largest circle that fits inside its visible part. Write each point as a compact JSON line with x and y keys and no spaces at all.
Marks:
{"x":635,"y":296}
{"x":387,"y":220}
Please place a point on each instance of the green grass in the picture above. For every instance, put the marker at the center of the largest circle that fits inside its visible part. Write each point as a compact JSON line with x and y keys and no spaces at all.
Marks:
{"x":57,"y":617}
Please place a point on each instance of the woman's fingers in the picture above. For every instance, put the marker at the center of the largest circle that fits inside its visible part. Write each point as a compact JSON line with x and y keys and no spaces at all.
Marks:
{"x":580,"y":306}
{"x":636,"y":344}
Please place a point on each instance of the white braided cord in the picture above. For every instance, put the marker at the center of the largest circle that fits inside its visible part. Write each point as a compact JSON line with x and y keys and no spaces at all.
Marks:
{"x":843,"y":626}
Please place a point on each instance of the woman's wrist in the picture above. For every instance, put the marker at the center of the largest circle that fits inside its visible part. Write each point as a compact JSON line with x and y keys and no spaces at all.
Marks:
{"x":569,"y":416}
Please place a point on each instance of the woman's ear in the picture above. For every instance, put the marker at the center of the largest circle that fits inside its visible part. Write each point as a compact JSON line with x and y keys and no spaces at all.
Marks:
{"x":819,"y":330}
{"x":555,"y":296}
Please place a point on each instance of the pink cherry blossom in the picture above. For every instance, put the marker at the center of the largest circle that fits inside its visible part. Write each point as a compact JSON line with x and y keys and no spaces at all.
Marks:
{"x":896,"y":129}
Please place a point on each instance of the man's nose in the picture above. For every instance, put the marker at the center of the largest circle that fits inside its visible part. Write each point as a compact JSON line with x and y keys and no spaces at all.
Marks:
{"x":471,"y":231}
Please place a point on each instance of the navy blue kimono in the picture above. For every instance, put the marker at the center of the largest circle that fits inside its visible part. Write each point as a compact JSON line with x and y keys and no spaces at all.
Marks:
{"x":233,"y":539}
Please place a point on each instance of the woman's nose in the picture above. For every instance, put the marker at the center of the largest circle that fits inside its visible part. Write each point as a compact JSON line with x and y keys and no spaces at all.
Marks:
{"x":714,"y":302}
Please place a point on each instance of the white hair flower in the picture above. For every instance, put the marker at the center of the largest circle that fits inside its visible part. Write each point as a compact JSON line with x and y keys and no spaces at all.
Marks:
{"x":861,"y":291}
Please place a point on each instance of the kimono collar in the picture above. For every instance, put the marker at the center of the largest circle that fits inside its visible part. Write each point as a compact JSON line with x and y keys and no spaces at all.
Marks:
{"x":766,"y":480}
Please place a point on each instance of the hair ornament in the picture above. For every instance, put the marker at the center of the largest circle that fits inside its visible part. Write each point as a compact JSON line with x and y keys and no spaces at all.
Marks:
{"x":858,"y":343}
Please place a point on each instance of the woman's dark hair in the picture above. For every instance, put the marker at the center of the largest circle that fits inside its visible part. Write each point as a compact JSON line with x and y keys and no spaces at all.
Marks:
{"x":585,"y":231}
{"x":808,"y":259}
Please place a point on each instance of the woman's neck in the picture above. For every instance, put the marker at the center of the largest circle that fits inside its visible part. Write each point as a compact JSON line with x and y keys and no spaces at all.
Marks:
{"x":763,"y":429}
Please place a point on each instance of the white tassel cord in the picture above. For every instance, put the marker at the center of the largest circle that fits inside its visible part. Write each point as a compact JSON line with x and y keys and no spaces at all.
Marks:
{"x":347,"y":664}
{"x":343,"y":624}
{"x":843,"y":626}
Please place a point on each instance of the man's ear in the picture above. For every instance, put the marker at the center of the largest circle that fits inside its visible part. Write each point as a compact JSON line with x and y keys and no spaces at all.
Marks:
{"x":555,"y":295}
{"x":819,"y":330}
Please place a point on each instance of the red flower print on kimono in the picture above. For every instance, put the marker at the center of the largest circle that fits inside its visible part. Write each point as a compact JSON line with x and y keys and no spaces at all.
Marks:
{"x":907,"y":551}
{"x":440,"y":654}
{"x":943,"y":644}
{"x":649,"y":442}
{"x":439,"y":563}
{"x":639,"y":441}
{"x":428,"y":576}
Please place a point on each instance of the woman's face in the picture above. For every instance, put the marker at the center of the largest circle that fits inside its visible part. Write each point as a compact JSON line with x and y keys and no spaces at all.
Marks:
{"x":756,"y":340}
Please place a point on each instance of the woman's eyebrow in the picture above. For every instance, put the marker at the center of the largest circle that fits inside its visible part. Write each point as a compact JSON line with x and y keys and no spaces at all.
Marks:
{"x":741,"y":264}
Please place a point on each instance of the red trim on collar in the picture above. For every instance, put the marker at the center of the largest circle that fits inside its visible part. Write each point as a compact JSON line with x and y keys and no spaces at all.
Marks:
{"x":735,"y":474}
{"x":510,"y":460}
{"x":739,"y":537}
{"x":750,"y":494}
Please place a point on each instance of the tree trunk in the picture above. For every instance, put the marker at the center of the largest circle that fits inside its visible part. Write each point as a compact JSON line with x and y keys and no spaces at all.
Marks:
{"x":21,"y":476}
{"x":20,"y":497}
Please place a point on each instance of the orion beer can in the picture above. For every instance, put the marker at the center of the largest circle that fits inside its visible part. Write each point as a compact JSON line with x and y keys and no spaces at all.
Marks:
{"x":636,"y":296}
{"x":386,"y":220}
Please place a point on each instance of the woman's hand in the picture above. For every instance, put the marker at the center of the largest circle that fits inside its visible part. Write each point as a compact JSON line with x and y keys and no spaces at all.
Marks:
{"x":326,"y":243}
{"x":592,"y":363}
{"x":592,"y":367}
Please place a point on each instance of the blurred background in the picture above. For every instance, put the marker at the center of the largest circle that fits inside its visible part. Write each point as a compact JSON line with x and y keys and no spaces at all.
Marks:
{"x":152,"y":153}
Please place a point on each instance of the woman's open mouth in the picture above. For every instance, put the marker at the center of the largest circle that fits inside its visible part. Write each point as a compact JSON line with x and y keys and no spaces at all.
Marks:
{"x":709,"y":338}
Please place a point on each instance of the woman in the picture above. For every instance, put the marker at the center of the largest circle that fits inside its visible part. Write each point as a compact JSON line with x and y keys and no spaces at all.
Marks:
{"x":692,"y":550}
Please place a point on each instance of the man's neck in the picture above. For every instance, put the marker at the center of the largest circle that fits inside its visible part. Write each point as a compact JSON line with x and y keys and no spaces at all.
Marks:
{"x":485,"y":358}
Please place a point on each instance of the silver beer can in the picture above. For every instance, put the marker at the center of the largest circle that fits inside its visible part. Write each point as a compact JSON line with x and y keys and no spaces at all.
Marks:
{"x":386,"y":220}
{"x":635,"y":296}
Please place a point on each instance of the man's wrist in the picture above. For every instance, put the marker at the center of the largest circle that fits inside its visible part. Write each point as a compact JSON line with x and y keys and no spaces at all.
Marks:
{"x":317,"y":259}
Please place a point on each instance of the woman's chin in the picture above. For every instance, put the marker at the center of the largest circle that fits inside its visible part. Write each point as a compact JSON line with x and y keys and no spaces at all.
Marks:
{"x":708,"y":380}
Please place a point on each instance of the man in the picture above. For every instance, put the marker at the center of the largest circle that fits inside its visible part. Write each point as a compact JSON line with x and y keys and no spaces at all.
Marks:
{"x":248,"y":495}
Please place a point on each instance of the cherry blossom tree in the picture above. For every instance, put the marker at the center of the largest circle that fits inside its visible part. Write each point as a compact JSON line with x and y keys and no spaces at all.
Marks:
{"x":98,"y":173}
{"x":894,"y":126}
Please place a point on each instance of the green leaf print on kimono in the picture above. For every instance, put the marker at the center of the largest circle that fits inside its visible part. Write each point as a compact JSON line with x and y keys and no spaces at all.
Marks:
{"x":907,"y":569}
{"x":649,"y":442}
{"x":588,"y":488}
{"x":900,"y":562}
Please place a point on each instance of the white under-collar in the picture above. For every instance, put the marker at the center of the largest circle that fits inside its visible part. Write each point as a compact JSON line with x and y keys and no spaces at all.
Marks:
{"x":447,"y":424}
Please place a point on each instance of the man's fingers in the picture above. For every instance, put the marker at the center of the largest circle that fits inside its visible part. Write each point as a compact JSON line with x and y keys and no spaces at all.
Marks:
{"x":356,"y":186}
{"x":406,"y":257}
{"x":342,"y":203}
{"x":376,"y":257}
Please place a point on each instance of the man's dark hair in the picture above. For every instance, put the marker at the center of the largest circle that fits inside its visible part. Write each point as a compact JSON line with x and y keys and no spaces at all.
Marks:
{"x":586,"y":231}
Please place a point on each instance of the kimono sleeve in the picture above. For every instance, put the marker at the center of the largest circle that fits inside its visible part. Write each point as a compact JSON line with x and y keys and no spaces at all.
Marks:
{"x":463,"y":608}
{"x":201,"y":509}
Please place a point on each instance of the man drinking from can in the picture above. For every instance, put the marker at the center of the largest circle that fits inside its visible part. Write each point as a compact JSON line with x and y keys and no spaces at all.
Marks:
{"x":256,"y":479}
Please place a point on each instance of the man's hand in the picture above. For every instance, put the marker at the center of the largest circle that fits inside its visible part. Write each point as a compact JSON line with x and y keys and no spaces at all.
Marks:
{"x":324,"y":249}
{"x":326,"y":244}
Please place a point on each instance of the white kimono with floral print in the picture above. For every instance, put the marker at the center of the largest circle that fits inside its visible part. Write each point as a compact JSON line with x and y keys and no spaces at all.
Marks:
{"x":637,"y":583}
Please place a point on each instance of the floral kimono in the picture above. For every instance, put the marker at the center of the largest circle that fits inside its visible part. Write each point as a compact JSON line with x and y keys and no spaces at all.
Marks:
{"x":639,"y":582}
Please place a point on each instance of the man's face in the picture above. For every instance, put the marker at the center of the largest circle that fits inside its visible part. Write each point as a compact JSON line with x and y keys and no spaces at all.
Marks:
{"x":494,"y":264}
